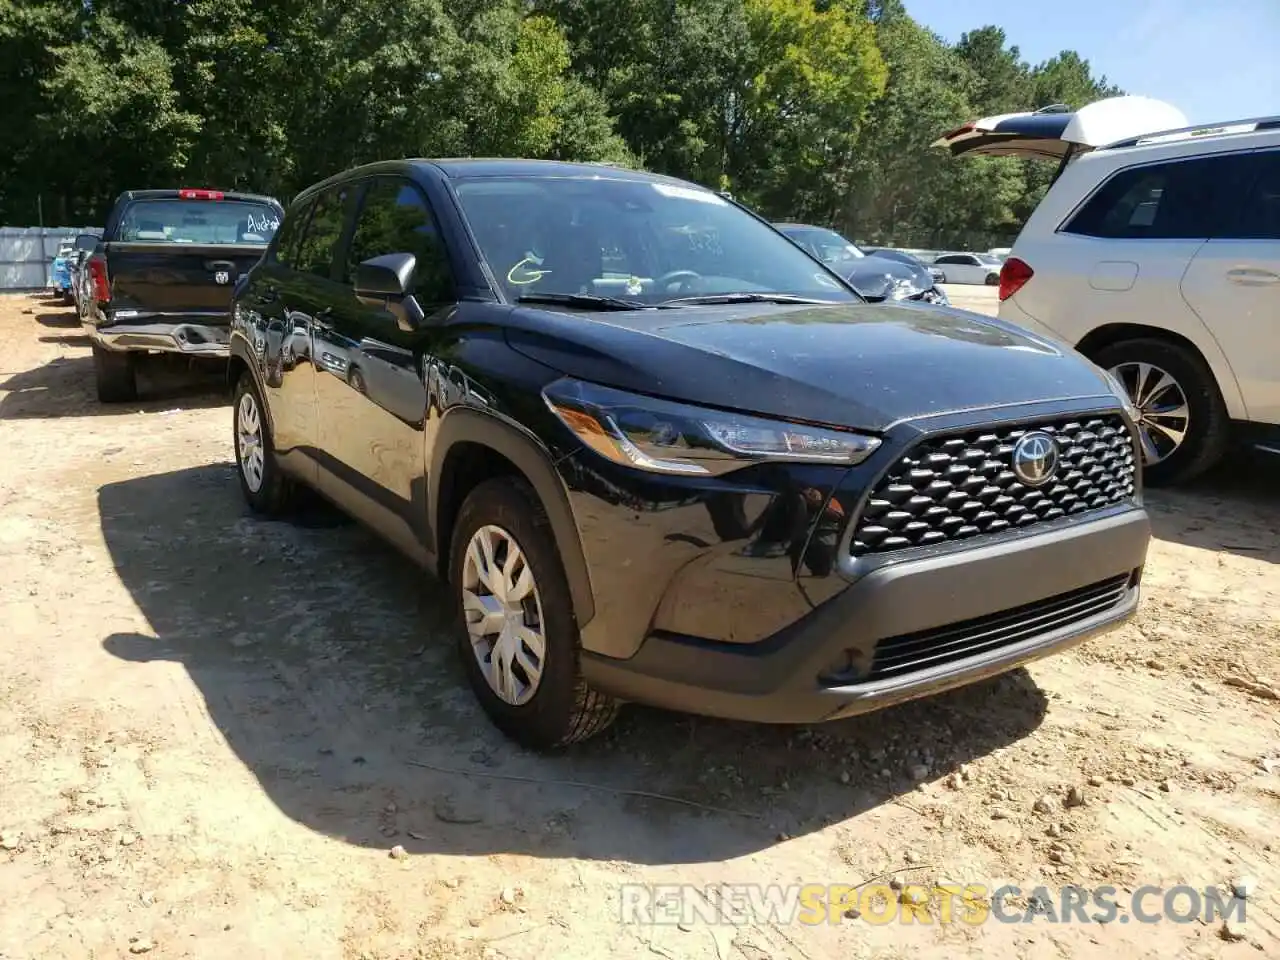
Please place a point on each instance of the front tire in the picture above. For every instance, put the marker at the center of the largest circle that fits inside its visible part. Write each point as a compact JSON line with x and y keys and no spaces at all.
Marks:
{"x":1182,"y":411}
{"x":517,"y":634}
{"x":264,"y":485}
{"x":115,"y":375}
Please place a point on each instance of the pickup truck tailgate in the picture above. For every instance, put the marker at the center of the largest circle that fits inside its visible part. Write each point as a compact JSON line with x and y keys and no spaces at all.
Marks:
{"x":169,"y":277}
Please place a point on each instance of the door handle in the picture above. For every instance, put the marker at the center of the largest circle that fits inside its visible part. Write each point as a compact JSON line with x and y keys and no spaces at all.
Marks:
{"x":1250,"y":277}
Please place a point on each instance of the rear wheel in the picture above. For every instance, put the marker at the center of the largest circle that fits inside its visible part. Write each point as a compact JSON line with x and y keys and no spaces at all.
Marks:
{"x":264,"y":485}
{"x":1181,"y":411}
{"x":518,"y":638}
{"x":116,"y":375}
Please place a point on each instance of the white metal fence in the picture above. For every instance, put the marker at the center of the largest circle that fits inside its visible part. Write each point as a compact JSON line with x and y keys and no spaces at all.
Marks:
{"x":26,"y":254}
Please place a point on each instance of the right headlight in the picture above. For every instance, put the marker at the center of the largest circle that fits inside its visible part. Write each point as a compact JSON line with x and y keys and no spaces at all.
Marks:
{"x":665,"y":436}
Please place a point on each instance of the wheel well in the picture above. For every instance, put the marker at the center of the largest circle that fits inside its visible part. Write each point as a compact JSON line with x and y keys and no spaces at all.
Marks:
{"x":235,"y":367}
{"x":1113,"y":333}
{"x":466,"y":466}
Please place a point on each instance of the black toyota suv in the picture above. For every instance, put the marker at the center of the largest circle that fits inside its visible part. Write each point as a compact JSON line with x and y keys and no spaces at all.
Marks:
{"x":661,"y":454}
{"x":161,"y":279}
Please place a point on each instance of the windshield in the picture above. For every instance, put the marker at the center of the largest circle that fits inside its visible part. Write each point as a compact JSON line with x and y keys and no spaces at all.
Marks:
{"x":199,"y":221}
{"x":987,"y":260}
{"x":636,"y":240}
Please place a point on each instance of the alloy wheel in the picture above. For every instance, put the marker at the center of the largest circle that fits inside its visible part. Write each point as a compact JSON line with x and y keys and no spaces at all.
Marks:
{"x":1164,"y":415}
{"x":249,"y":441}
{"x":503,"y":613}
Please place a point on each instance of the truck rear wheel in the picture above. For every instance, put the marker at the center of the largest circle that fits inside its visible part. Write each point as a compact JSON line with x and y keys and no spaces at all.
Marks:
{"x":116,"y":375}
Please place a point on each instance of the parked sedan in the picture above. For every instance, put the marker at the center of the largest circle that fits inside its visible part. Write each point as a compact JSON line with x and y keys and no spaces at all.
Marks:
{"x":661,"y":454}
{"x":980,"y":268}
{"x":876,"y":278}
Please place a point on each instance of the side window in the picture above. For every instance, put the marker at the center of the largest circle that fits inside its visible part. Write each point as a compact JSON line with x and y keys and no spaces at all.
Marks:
{"x":316,"y":251}
{"x":1166,"y":201}
{"x":295,"y":222}
{"x":945,"y":260}
{"x":395,"y":218}
{"x":1259,"y":217}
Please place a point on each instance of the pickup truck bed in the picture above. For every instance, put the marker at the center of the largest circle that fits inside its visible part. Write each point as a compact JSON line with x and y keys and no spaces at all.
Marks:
{"x":163,"y":276}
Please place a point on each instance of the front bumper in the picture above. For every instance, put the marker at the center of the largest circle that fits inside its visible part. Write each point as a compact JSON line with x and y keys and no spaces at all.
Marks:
{"x":907,"y":629}
{"x":164,"y":334}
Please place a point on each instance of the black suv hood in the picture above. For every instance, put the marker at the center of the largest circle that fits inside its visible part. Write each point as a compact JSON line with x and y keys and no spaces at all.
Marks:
{"x":865,"y":366}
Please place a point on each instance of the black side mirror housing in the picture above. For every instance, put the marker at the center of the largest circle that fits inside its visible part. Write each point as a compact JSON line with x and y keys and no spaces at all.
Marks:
{"x":385,"y":281}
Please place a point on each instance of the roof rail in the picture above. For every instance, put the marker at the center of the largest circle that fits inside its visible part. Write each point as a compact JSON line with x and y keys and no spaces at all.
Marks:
{"x":1199,"y":131}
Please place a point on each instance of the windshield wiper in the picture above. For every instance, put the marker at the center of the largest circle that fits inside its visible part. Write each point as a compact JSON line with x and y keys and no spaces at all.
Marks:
{"x":584,"y":300}
{"x":742,"y":298}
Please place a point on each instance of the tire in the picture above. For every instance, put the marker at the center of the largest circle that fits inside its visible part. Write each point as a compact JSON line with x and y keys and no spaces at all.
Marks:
{"x":1208,"y":424}
{"x":115,"y":373}
{"x":993,"y":280}
{"x":562,"y":709}
{"x":268,"y":491}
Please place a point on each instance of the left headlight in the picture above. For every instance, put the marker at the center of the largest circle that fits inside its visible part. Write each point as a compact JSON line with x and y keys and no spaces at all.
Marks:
{"x":664,"y":436}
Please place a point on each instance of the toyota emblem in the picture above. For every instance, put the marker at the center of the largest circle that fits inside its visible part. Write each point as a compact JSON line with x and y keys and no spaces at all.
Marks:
{"x":1035,"y":458}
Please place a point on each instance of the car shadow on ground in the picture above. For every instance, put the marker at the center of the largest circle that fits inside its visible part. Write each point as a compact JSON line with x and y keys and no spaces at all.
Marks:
{"x":64,"y":387}
{"x":68,"y":319}
{"x":325,"y":659}
{"x":1234,"y":508}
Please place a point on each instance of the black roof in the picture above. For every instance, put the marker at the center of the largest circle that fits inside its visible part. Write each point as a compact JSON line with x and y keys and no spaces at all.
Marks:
{"x":467,"y":167}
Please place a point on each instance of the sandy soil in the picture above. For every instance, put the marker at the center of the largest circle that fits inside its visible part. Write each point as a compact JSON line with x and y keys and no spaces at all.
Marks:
{"x":214,"y":731}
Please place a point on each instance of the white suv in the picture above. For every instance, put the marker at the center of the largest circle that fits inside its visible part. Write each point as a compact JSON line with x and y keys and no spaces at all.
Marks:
{"x":1158,"y":257}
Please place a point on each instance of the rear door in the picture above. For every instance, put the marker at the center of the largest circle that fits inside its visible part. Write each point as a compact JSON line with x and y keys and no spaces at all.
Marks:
{"x":372,"y":407}
{"x":1233,"y":284}
{"x":182,"y":254}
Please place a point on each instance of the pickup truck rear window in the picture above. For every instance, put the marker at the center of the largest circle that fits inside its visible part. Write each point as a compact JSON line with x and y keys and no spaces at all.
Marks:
{"x":198,"y":221}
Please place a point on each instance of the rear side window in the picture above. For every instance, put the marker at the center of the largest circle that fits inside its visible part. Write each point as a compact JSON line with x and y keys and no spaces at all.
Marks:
{"x":1259,"y":217}
{"x":198,"y":221}
{"x":395,"y":218}
{"x":323,"y":234}
{"x":1184,"y":199}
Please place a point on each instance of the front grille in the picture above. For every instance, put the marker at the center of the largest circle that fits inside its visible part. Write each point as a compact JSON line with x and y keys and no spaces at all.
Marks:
{"x":941,"y":645}
{"x":952,"y":488}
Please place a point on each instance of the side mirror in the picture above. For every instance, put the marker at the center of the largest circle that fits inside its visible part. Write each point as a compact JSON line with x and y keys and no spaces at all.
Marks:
{"x":87,"y":241}
{"x":384,"y":282}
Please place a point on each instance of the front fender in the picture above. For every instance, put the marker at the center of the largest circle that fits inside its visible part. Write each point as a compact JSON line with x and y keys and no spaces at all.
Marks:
{"x":522,"y":448}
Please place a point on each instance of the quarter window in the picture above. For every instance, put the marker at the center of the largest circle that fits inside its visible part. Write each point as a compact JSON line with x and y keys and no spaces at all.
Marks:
{"x":316,"y":252}
{"x":395,"y":218}
{"x":295,"y":222}
{"x":1167,"y":201}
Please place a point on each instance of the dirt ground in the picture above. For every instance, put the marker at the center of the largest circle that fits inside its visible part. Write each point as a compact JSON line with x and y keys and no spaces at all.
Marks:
{"x":214,"y":730}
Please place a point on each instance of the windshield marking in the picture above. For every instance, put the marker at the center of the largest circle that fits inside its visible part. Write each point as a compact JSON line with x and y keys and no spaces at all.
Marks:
{"x":529,"y":276}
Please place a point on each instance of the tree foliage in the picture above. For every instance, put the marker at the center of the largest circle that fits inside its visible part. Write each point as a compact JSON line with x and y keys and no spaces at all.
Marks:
{"x":820,"y":110}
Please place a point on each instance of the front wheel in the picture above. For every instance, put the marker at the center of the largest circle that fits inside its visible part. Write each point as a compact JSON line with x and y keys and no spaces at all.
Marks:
{"x":1181,"y":412}
{"x":518,"y":637}
{"x":993,"y":280}
{"x":264,"y":485}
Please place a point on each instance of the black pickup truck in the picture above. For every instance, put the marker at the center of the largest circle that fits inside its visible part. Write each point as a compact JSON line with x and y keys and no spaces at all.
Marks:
{"x":162,"y":278}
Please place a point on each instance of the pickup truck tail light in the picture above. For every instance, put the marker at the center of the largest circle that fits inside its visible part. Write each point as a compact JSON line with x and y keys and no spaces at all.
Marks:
{"x":191,"y":193}
{"x":98,"y":277}
{"x":1013,"y":277}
